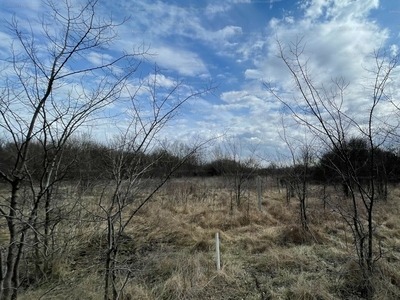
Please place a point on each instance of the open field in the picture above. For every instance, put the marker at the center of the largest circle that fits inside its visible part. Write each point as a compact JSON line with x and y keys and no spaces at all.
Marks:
{"x":169,"y":252}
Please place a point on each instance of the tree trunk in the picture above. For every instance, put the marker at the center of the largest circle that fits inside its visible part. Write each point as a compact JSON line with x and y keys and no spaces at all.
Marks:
{"x":10,"y":280}
{"x":109,"y":258}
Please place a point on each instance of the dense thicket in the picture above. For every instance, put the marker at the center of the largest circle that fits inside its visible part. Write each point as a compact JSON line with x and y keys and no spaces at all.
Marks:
{"x":385,"y":170}
{"x":90,"y":160}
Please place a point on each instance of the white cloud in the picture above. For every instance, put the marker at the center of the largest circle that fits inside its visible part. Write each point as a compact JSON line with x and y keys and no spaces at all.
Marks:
{"x":253,"y":74}
{"x":227,"y":32}
{"x":212,"y":10}
{"x":184,"y":62}
{"x":289,"y":19}
{"x":394,"y":50}
{"x":314,"y":8}
{"x":346,"y":10}
{"x":335,"y":48}
{"x":164,"y":81}
{"x":98,"y":59}
{"x":339,"y":41}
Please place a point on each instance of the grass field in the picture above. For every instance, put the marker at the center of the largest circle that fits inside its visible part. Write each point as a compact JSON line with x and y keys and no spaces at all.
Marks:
{"x":169,"y":249}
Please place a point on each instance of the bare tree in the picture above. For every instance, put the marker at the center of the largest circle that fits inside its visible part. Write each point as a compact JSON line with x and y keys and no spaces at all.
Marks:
{"x":46,"y":97}
{"x":322,"y":111}
{"x":238,"y":164}
{"x":296,"y":177}
{"x":131,"y":184}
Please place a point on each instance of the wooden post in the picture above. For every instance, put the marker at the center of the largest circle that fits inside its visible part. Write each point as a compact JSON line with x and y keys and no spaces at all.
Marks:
{"x":278,"y":184}
{"x":259,"y":192}
{"x":217,"y":251}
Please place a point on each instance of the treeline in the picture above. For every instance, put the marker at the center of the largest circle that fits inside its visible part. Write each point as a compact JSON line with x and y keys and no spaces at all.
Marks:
{"x":88,"y":160}
{"x":385,"y":164}
{"x":380,"y":164}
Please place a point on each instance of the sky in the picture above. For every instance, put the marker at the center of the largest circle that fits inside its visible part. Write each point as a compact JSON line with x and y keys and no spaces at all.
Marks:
{"x":233,"y":44}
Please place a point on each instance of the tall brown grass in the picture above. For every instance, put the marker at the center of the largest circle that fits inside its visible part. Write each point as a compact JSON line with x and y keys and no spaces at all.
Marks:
{"x":170,"y":253}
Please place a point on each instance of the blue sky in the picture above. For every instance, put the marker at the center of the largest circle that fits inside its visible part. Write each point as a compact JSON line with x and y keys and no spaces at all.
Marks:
{"x":233,"y":43}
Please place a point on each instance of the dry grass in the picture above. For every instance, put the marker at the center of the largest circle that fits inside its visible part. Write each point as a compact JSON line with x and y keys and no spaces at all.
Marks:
{"x":169,"y":249}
